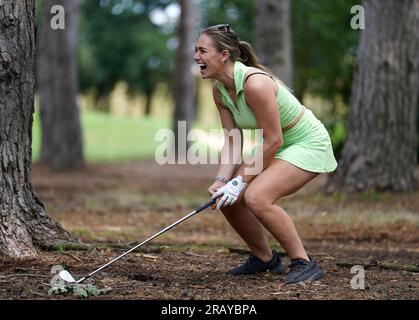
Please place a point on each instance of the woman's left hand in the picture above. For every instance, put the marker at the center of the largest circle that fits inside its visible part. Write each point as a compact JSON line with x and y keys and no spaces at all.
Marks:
{"x":230,"y":192}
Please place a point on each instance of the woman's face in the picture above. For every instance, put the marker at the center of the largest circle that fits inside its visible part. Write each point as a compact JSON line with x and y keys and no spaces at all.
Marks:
{"x":207,"y":57}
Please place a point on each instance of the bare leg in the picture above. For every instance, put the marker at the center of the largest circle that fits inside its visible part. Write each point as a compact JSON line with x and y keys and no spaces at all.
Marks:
{"x":278,"y":180}
{"x":249,"y":229}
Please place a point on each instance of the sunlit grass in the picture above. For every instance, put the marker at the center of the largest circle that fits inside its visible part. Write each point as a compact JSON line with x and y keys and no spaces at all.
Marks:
{"x":109,"y":138}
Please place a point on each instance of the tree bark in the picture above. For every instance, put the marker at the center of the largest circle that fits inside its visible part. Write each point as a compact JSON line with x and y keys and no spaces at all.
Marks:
{"x":380,"y":151}
{"x":23,"y":220}
{"x":62,"y":144}
{"x":302,"y":76}
{"x":272,"y":34}
{"x":184,"y":81}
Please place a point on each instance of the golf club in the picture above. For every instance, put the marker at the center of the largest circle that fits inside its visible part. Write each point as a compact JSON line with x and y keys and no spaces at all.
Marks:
{"x":66,"y":276}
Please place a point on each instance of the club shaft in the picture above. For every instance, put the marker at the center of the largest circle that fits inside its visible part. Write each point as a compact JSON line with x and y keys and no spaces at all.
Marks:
{"x":142,"y":243}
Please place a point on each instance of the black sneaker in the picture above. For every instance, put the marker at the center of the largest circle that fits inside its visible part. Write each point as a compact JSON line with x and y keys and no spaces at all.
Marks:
{"x":254,"y":265}
{"x":303,"y":271}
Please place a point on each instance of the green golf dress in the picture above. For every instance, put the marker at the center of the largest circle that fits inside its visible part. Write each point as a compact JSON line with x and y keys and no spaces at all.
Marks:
{"x":306,"y":145}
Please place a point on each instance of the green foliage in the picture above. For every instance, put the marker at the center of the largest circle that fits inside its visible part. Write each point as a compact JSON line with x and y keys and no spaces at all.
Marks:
{"x":78,"y":290}
{"x":325,"y":50}
{"x":60,"y":247}
{"x":118,"y":42}
{"x":238,"y":13}
{"x":324,"y":47}
{"x":337,"y":130}
{"x":58,"y":290}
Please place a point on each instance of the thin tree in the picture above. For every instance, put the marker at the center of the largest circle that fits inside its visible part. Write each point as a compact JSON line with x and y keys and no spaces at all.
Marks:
{"x":272,"y":34}
{"x":184,"y":81}
{"x":62,"y":144}
{"x":381,"y":149}
{"x":23,"y":219}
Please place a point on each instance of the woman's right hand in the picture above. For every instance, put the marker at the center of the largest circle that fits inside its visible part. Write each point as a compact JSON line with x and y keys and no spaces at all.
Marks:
{"x":213,"y":188}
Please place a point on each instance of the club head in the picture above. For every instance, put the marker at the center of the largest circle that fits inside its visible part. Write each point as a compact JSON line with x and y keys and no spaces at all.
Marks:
{"x":66,"y":276}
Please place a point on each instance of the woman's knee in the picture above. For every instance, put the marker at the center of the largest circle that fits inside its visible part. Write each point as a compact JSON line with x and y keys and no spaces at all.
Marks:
{"x":256,"y":202}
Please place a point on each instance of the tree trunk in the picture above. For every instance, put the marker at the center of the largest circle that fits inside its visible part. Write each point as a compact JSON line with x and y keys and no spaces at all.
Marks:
{"x":417,"y":123}
{"x":62,"y":145}
{"x":23,"y":220}
{"x":380,"y":152}
{"x":302,"y":75}
{"x":184,"y":81}
{"x":272,"y":34}
{"x":148,"y":101}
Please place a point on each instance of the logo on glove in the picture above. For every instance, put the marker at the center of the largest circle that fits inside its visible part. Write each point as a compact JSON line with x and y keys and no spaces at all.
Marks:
{"x":230,"y":192}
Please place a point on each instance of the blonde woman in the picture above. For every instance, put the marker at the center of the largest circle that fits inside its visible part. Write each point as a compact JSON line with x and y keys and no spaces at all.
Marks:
{"x":295,"y":149}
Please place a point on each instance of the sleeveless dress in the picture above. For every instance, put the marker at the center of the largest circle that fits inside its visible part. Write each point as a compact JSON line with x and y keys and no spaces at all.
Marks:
{"x":306,"y":145}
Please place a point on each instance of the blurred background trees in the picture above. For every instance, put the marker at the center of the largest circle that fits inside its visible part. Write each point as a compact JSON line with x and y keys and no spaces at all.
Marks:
{"x":136,"y":41}
{"x":272,"y":37}
{"x":126,"y":65}
{"x":129,"y":41}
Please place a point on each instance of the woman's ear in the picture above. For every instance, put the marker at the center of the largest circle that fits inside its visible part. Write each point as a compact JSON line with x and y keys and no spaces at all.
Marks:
{"x":225,"y":55}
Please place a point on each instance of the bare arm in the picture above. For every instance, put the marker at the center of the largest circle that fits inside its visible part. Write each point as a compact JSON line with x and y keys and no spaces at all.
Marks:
{"x":260,"y":97}
{"x":231,"y":151}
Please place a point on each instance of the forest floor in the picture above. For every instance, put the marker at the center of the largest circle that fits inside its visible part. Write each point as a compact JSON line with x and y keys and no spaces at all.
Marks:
{"x":112,"y":207}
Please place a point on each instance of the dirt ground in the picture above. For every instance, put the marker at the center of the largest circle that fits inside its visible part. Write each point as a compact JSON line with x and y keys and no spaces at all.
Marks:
{"x":113,"y":207}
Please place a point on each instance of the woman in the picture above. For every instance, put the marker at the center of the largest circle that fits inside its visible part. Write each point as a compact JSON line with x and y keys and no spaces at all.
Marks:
{"x":295,"y":149}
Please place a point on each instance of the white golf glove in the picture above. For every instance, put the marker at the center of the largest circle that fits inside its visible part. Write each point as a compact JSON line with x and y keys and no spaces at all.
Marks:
{"x":230,"y":192}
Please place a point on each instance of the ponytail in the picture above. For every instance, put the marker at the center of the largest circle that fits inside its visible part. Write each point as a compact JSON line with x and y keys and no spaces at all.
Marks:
{"x":248,"y":56}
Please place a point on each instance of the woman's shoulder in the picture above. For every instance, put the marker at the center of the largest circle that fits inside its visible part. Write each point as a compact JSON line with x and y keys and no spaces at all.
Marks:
{"x":260,"y":79}
{"x":257,"y":72}
{"x":251,"y":70}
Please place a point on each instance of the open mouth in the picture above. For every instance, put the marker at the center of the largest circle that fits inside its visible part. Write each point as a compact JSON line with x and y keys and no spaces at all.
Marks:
{"x":202,"y":66}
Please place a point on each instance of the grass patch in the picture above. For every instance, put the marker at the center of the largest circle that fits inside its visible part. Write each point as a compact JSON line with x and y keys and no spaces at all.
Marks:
{"x":85,"y":233}
{"x":77,"y":290}
{"x":109,"y":138}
